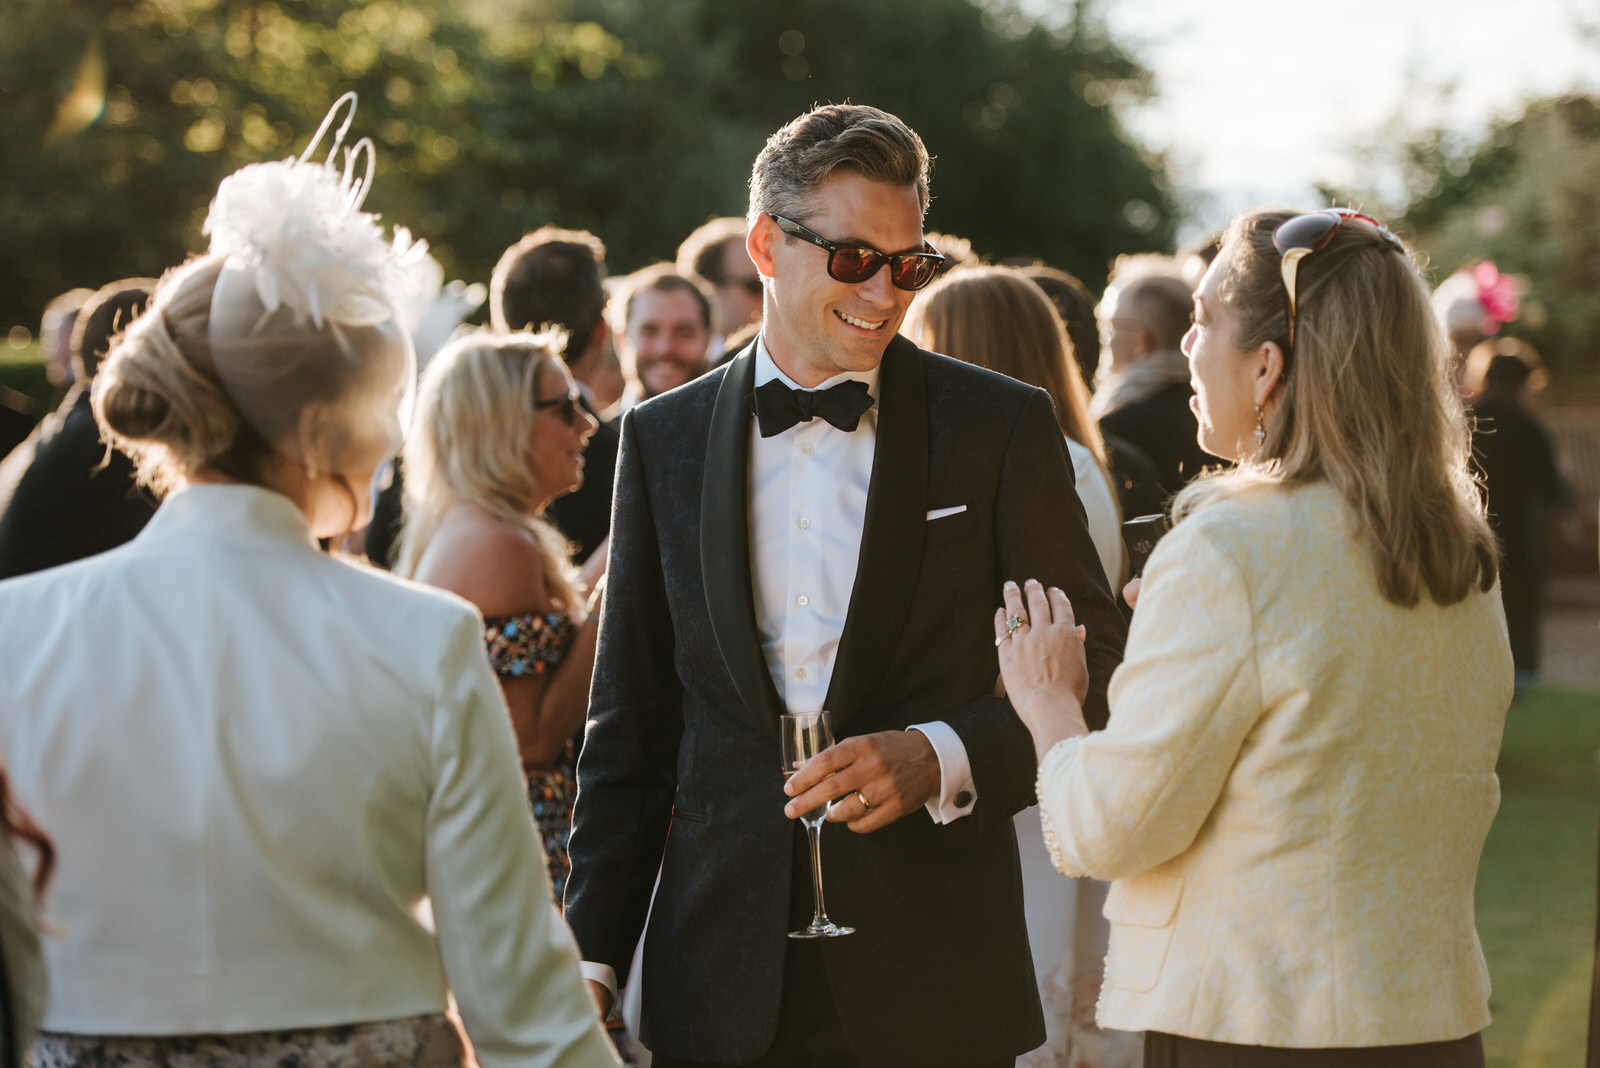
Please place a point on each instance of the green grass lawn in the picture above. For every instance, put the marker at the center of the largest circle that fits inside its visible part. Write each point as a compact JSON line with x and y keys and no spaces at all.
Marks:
{"x":1536,"y":884}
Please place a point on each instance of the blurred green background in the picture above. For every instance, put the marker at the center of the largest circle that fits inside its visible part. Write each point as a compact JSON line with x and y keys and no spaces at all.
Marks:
{"x":638,"y":119}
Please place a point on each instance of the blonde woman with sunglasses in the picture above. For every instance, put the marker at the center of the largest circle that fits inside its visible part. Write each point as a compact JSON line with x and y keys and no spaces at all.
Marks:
{"x":499,"y":434}
{"x":1298,"y":775}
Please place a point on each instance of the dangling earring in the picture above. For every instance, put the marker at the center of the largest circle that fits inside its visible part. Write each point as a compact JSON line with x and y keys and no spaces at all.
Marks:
{"x":1261,"y":428}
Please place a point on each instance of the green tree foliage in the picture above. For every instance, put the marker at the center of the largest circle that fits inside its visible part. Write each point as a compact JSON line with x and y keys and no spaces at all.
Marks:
{"x":1526,"y":196}
{"x":637,"y":119}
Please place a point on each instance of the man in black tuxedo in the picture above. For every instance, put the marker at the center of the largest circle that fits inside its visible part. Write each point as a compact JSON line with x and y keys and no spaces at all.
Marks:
{"x":825,"y":522}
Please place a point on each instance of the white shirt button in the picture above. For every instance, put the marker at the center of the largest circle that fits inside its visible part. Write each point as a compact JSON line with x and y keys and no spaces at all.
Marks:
{"x":805,"y":522}
{"x":799,"y":673}
{"x":807,"y":448}
{"x":802,"y":600}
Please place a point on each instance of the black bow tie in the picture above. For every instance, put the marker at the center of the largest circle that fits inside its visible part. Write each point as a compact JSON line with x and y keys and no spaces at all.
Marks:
{"x":778,"y":407}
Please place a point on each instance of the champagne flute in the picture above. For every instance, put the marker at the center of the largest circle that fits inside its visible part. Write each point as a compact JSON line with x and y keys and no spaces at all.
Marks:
{"x":805,"y":734}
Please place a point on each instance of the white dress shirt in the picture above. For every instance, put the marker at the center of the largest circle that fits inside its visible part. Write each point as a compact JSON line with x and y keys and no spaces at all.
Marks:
{"x":257,"y":762}
{"x":808,"y":508}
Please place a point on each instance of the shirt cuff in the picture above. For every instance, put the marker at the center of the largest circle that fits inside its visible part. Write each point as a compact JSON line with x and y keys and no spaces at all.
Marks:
{"x":957,"y":794}
{"x":602,"y":973}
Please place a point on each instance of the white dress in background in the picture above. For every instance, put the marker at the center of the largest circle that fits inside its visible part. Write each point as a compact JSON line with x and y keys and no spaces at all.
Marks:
{"x":1066,"y":930}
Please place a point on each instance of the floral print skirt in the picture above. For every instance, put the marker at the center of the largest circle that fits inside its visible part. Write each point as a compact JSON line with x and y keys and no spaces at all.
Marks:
{"x":415,"y":1042}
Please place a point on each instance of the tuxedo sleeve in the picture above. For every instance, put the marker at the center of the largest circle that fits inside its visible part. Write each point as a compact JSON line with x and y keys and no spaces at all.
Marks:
{"x":627,"y":770}
{"x":1041,"y":532}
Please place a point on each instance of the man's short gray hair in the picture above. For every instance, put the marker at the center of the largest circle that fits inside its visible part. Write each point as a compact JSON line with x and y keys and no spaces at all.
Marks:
{"x":835,"y":137}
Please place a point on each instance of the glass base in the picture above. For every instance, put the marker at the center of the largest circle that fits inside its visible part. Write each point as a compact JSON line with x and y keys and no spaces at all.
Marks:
{"x":825,"y":929}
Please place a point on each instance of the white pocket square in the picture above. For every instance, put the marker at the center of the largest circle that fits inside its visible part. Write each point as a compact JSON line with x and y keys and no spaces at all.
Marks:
{"x":940,"y":513}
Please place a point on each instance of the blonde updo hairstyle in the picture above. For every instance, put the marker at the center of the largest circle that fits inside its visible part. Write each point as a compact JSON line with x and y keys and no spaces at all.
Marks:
{"x":1367,"y":404}
{"x":469,"y":445}
{"x":158,"y":396}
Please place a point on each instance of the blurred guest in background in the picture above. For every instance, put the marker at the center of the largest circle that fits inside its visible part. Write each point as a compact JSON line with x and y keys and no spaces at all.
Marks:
{"x":1522,"y":483}
{"x":1298,"y":774}
{"x":1133,"y":474}
{"x":996,"y":317}
{"x":499,"y":434}
{"x":714,"y":255}
{"x":19,"y":412}
{"x":434,"y":312}
{"x":664,"y":326}
{"x":55,"y":336}
{"x":1144,"y":391}
{"x":1195,"y":258}
{"x":63,"y":494}
{"x":280,"y":756}
{"x":555,"y":277}
{"x":957,"y":251}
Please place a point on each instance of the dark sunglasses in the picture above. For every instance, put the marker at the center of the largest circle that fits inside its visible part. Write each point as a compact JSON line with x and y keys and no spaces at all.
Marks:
{"x":1299,"y":237}
{"x":854,"y":264}
{"x":568,"y":409}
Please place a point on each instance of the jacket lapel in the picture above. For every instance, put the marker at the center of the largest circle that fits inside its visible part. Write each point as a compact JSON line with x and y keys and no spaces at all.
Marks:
{"x":891,"y":541}
{"x":725,"y":542}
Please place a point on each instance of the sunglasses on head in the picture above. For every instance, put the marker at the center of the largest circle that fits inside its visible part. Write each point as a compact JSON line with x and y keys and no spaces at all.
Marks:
{"x":853,"y":264}
{"x":567,"y":407}
{"x":1299,"y":237}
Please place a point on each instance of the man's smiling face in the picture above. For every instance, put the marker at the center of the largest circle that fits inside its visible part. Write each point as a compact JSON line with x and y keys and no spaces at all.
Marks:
{"x":816,"y":326}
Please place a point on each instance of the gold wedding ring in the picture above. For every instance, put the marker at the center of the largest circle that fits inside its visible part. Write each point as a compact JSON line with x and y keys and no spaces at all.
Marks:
{"x":863,"y":799}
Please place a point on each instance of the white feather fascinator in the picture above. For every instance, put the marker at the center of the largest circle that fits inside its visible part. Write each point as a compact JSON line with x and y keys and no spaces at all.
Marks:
{"x":307,"y":328}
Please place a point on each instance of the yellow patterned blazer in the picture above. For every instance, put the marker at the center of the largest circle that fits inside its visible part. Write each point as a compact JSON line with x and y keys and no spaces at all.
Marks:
{"x":1293,"y":790}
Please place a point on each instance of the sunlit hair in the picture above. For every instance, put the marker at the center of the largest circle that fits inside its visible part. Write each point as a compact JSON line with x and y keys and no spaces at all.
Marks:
{"x":663,"y":278}
{"x":112,"y":309}
{"x":997,"y":317}
{"x":702,"y":253}
{"x":834,"y":138}
{"x":1367,"y":405}
{"x":1075,"y":304}
{"x":158,"y":398}
{"x":552,"y":277}
{"x":469,"y":445}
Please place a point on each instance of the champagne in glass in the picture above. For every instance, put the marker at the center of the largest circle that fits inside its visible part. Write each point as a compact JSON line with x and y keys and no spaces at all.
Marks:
{"x":805,"y":734}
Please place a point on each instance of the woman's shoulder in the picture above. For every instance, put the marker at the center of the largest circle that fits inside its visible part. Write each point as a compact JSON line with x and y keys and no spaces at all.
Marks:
{"x":1247,"y":508}
{"x":1258,"y":525}
{"x":498,"y":566}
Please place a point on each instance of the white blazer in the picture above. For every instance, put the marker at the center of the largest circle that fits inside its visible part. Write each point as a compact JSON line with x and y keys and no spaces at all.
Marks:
{"x":1292,"y":792}
{"x":257,"y":762}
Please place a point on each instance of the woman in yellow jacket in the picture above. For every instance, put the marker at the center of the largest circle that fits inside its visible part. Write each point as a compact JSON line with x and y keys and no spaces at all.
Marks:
{"x":1298,"y":774}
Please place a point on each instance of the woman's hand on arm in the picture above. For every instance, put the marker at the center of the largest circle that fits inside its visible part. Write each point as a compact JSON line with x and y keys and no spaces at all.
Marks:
{"x":1042,"y":663}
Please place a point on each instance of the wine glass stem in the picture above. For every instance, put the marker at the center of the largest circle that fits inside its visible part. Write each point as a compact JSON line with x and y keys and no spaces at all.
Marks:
{"x":814,"y":833}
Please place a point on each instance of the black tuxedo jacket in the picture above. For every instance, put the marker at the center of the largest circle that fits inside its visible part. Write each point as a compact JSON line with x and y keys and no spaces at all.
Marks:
{"x":680,"y":768}
{"x":73,"y":499}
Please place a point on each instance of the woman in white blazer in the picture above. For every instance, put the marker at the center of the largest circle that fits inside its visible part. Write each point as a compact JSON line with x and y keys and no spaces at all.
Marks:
{"x":259,"y":762}
{"x":1298,"y":775}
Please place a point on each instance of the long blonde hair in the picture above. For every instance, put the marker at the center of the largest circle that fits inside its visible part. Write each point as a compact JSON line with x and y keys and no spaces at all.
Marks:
{"x":1368,"y":406}
{"x":469,"y":445}
{"x":999,"y":318}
